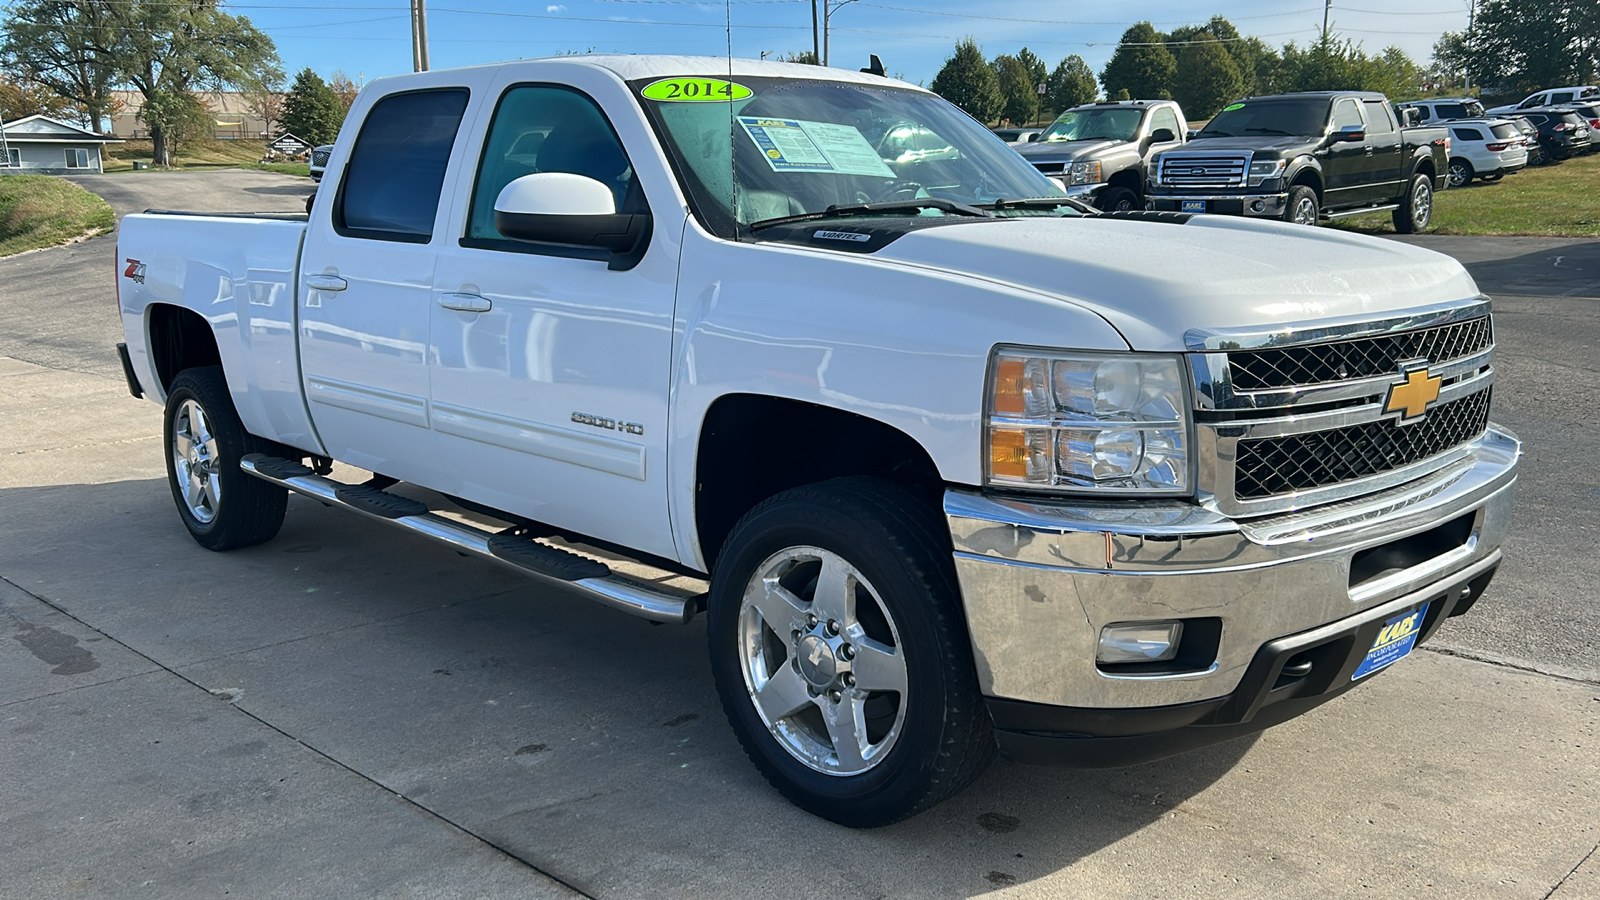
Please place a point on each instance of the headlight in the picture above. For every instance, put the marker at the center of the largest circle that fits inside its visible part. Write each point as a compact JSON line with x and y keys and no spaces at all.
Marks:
{"x":1085,"y":172}
{"x":1088,"y":422}
{"x":1261,"y":171}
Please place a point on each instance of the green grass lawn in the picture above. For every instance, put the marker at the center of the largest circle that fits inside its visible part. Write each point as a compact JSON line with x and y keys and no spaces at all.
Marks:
{"x":43,"y":211}
{"x":200,"y":156}
{"x":1561,"y":200}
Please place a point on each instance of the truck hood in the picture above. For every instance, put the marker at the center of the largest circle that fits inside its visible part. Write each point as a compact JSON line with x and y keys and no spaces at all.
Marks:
{"x":1066,"y":151}
{"x":1155,"y":280}
{"x":1266,"y":145}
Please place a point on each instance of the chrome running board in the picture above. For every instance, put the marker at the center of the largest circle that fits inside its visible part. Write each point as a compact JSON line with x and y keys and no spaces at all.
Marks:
{"x":610,"y":589}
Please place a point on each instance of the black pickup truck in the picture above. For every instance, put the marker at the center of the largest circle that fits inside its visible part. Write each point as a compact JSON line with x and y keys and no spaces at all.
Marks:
{"x":1303,"y":158}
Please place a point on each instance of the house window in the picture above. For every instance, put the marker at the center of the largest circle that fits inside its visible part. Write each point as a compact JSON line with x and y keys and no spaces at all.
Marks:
{"x":13,"y":158}
{"x":77,"y":158}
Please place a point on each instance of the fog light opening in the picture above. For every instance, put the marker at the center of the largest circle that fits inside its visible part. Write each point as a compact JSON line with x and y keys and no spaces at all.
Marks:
{"x":1257,"y":206}
{"x":1139,"y":642}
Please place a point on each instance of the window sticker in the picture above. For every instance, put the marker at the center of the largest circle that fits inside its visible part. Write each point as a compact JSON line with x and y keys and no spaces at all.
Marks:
{"x":1232,"y":107}
{"x":793,"y":145}
{"x":695,"y":90}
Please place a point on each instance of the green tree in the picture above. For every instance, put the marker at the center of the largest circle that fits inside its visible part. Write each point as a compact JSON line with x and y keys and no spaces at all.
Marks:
{"x":1141,"y":65}
{"x":968,"y":82}
{"x":1020,"y":99}
{"x":312,"y":111}
{"x":804,"y":57}
{"x":1038,"y":72}
{"x":57,"y":44}
{"x":1394,"y":74}
{"x":1452,"y":63}
{"x":19,"y":99}
{"x":1207,"y":79}
{"x":1071,"y":84}
{"x":1532,"y":44}
{"x":169,"y":50}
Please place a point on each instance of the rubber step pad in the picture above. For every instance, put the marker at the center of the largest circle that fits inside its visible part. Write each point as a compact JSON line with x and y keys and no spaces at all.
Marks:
{"x":546,"y":560}
{"x":369,"y":499}
{"x":277,"y":467}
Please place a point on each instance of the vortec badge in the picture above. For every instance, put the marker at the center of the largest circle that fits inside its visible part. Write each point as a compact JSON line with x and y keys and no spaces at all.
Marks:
{"x":1412,"y":396}
{"x":842,"y":236}
{"x":135,"y":270}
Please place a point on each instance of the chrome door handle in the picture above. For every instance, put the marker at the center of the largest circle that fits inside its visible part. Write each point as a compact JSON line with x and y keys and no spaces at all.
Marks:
{"x":326,"y":283}
{"x":465,"y":302}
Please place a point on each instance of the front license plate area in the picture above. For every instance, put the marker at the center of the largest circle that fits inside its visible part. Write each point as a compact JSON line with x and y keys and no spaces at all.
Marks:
{"x":1395,"y":639}
{"x":1198,"y":206}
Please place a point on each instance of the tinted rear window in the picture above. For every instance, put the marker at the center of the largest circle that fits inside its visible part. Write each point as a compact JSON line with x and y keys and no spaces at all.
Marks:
{"x":1504,"y":131}
{"x":1452,"y":111}
{"x":392,"y":182}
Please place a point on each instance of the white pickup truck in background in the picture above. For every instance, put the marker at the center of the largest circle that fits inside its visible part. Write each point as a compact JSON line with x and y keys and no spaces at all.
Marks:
{"x":954,"y":464}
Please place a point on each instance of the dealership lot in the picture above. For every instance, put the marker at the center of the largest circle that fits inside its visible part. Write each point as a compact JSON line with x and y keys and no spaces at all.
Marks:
{"x":343,"y":711}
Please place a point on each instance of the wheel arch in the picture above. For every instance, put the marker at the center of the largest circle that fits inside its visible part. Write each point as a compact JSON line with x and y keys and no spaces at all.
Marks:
{"x":178,"y":338}
{"x":1306,"y":171}
{"x":753,"y":446}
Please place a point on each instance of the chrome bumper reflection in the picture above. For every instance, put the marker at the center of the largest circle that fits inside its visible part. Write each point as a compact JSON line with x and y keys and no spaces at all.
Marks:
{"x":1040,"y":580}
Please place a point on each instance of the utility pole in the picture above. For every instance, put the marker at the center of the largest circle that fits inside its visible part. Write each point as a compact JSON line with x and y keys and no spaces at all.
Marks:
{"x":1327,"y":5}
{"x":419,"y":36}
{"x":1466,"y":42}
{"x":816,"y":39}
{"x":828,"y":9}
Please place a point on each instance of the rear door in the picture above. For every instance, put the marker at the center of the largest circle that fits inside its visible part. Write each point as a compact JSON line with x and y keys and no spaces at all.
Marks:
{"x":551,"y":366}
{"x":367,"y":285}
{"x":1386,"y":161}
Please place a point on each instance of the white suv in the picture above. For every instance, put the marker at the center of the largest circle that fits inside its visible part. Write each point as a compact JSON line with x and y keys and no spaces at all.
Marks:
{"x":1487,"y":148}
{"x":1553,"y":97}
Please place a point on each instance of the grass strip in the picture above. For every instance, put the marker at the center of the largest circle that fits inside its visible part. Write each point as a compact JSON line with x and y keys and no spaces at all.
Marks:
{"x":43,"y":211}
{"x":1557,"y":200}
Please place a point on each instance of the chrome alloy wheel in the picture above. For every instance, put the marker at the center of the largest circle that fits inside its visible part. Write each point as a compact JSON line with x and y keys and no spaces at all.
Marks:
{"x":1459,"y":174}
{"x":1421,"y":205}
{"x":196,"y":461}
{"x":1305,"y":212}
{"x":822,"y":661}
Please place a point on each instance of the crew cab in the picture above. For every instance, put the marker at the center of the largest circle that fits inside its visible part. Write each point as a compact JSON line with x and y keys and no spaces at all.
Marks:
{"x":1306,"y":157}
{"x":947,"y":465}
{"x":1100,"y":151}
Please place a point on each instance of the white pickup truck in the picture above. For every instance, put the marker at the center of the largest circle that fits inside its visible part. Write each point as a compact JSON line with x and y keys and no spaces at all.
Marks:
{"x":959,"y":464}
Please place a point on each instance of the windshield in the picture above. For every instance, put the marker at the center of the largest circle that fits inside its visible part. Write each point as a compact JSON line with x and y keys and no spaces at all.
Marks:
{"x":1094,"y":125}
{"x":1301,"y":118}
{"x":802,"y":145}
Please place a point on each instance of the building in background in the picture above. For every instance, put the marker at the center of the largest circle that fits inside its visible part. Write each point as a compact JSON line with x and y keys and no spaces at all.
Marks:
{"x":229,"y":109}
{"x":38,"y":145}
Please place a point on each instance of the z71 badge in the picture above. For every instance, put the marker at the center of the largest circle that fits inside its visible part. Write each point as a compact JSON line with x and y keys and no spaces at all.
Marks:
{"x":135,"y":270}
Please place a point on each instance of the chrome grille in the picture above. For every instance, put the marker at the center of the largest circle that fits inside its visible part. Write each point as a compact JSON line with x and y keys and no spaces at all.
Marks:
{"x":1302,"y":462}
{"x":1217,"y":170}
{"x":319,"y":158}
{"x":1289,"y":367}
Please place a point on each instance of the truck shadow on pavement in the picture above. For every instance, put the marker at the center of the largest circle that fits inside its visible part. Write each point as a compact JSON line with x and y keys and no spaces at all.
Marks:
{"x":584,"y":742}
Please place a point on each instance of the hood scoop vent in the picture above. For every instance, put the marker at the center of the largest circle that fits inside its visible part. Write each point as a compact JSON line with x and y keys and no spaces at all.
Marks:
{"x":1145,"y":215}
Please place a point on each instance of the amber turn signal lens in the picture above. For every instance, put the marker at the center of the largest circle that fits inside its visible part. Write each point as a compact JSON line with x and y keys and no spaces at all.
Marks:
{"x":1008,"y":453}
{"x":1010,"y":387}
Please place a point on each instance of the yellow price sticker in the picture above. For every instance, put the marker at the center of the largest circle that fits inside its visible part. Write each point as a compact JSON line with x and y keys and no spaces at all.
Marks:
{"x":695,"y":90}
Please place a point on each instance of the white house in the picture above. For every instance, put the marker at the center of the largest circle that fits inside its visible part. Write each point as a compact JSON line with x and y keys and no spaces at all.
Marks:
{"x":39,"y":145}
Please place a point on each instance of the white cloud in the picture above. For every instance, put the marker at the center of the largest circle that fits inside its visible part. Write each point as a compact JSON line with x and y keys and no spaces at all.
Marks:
{"x":555,"y":9}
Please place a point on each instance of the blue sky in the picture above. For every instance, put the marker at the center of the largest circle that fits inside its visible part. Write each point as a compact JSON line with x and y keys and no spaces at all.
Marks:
{"x":369,"y":38}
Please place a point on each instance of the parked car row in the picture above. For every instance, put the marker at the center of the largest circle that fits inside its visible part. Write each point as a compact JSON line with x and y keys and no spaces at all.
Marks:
{"x":1304,"y":157}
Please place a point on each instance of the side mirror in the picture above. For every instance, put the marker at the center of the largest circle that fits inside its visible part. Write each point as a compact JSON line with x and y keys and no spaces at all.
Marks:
{"x":567,"y":210}
{"x":1349,"y":134}
{"x":1162,"y":136}
{"x":1034,"y":138}
{"x":1190,"y":134}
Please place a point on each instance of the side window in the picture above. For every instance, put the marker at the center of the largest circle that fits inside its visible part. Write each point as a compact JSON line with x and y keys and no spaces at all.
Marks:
{"x":1423,"y":112}
{"x":391,"y":185}
{"x":1165,"y":118}
{"x":1563,"y":97}
{"x":1378,"y":117}
{"x":1466,"y":134}
{"x":1452,"y":111}
{"x":77,"y":159}
{"x":541,"y":128}
{"x":1347,"y":113}
{"x":1531,"y":102}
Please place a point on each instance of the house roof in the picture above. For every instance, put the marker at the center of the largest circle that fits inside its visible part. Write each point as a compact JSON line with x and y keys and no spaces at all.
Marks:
{"x":43,"y":129}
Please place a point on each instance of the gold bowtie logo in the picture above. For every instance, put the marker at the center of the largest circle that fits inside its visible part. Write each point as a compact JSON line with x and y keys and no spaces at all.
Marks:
{"x":1412,"y":397}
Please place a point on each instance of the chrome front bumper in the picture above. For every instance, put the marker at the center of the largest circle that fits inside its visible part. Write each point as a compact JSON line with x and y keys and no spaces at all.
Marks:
{"x":1041,"y":579}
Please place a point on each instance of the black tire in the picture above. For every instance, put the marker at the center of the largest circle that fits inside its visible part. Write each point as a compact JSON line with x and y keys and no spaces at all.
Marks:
{"x":240,"y":511}
{"x":944,"y":740}
{"x":1118,"y":199}
{"x":1494,"y":176}
{"x":1460,"y":173}
{"x":1415,"y":211}
{"x":1303,"y":207}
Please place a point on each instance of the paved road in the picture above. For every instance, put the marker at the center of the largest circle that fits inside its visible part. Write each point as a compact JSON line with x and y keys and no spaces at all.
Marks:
{"x":346,"y":712}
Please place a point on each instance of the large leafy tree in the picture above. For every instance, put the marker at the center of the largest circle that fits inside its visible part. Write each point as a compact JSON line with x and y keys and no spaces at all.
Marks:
{"x":1038,"y":72}
{"x":1071,"y":84}
{"x":168,"y":50}
{"x":1207,"y":77}
{"x":968,"y":82}
{"x":19,"y":99}
{"x":1527,"y":45}
{"x":1141,"y":65}
{"x":1020,"y":99}
{"x":312,"y":111}
{"x":60,"y":45}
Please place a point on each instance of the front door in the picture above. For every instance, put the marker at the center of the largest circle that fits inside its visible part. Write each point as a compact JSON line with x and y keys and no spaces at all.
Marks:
{"x":1344,"y":168}
{"x":551,"y":365}
{"x":367,"y":269}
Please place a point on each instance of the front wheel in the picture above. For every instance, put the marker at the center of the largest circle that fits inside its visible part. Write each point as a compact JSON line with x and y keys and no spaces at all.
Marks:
{"x":1302,"y":208}
{"x":222,"y":507}
{"x":1117,"y":199}
{"x":1416,"y":207}
{"x":840,"y":652}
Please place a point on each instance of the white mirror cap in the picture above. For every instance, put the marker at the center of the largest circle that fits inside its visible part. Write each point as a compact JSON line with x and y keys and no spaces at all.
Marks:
{"x":556,"y":194}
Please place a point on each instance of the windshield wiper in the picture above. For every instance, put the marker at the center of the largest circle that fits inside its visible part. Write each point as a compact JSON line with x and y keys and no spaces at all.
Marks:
{"x":1273,"y":131}
{"x":1039,"y":203}
{"x":871,"y":209}
{"x":1209,"y":133}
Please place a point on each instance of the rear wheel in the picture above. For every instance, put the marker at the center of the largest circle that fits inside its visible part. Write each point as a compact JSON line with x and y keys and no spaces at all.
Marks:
{"x":1416,"y":207}
{"x":1302,"y":208}
{"x":222,"y":507}
{"x":1460,"y":172}
{"x":1118,"y":199}
{"x":840,"y":652}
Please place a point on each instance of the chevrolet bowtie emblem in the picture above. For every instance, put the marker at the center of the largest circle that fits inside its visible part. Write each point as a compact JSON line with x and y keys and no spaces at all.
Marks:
{"x":1412,"y":396}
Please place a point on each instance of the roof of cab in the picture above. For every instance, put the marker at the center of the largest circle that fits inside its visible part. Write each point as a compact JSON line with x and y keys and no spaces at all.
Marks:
{"x":631,"y":68}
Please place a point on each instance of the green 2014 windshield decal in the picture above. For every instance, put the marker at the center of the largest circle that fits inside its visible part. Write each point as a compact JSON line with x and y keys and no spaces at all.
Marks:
{"x":1233,"y":107}
{"x":693,"y":90}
